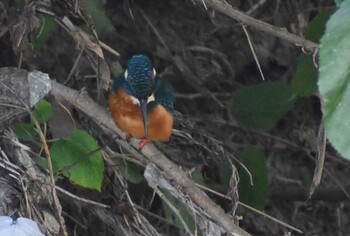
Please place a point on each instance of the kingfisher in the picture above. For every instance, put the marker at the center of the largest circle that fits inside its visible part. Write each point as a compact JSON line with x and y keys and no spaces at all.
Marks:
{"x":141,"y":103}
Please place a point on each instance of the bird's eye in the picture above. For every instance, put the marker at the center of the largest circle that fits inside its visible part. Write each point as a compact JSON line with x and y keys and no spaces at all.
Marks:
{"x":126,"y":74}
{"x":154,"y":73}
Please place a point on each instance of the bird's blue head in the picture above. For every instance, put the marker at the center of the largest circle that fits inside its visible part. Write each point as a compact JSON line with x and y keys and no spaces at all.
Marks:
{"x":140,"y":80}
{"x":139,"y":76}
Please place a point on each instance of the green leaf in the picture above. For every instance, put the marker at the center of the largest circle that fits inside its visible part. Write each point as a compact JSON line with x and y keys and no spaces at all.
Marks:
{"x":41,"y":162}
{"x":225,"y":173}
{"x":317,"y":26}
{"x":261,"y":106}
{"x":44,"y":32}
{"x":307,"y":177}
{"x":254,"y":195}
{"x":43,"y":111}
{"x":197,"y":177}
{"x":130,"y":171}
{"x":25,"y":130}
{"x":334,"y":78}
{"x":79,"y":158}
{"x":304,"y":82}
{"x":98,"y":15}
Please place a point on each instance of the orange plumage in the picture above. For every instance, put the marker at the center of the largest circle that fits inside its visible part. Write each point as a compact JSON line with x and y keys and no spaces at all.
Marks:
{"x":128,"y":117}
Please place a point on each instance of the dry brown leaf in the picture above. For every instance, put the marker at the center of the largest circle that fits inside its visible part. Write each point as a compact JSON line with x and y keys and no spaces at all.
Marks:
{"x":84,"y":40}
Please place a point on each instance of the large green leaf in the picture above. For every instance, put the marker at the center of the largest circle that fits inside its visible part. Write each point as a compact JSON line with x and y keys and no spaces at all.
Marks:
{"x":79,"y":158}
{"x":304,"y":81}
{"x":338,"y":2}
{"x":334,"y":78}
{"x":254,"y":195}
{"x":261,"y":106}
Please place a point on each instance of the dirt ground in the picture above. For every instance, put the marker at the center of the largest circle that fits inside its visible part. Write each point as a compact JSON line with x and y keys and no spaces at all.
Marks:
{"x":216,"y":50}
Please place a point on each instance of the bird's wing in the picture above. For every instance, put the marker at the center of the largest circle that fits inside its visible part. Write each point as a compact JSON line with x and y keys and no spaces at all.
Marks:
{"x":163,"y":94}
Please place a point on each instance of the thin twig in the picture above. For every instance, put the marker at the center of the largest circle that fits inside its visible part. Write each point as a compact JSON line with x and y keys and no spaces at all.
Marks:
{"x":270,"y":217}
{"x":321,"y":155}
{"x":52,"y":178}
{"x":255,"y":7}
{"x":69,"y":194}
{"x":74,"y":66}
{"x":251,"y":208}
{"x":156,"y":216}
{"x":216,"y":53}
{"x":108,"y":48}
{"x":181,"y":66}
{"x":253,"y":52}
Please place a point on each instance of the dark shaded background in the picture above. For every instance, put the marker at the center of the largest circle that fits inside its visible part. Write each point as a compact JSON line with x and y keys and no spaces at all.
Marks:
{"x":216,"y":51}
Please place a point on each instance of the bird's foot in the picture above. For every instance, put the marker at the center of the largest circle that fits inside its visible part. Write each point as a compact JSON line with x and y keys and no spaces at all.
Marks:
{"x":143,"y":142}
{"x":128,"y":136}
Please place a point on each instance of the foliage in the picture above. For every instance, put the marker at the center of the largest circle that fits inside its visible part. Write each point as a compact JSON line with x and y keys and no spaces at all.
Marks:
{"x":44,"y":32}
{"x":197,"y":177}
{"x":79,"y":158}
{"x":25,"y":130}
{"x":170,"y":214}
{"x":254,"y":195}
{"x":98,"y":15}
{"x":334,"y":78}
{"x":304,"y":81}
{"x":129,"y":170}
{"x":307,"y":177}
{"x":261,"y":106}
{"x":338,"y":2}
{"x":96,"y":10}
{"x":225,"y":173}
{"x":42,"y":112}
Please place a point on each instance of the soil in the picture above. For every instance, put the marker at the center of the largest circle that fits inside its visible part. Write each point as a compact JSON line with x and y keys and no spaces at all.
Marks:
{"x":217,"y":53}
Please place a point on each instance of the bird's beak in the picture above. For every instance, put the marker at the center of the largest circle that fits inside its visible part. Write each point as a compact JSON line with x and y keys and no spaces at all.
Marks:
{"x":143,"y":105}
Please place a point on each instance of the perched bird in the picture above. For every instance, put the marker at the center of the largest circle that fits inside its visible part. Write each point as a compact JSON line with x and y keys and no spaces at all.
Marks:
{"x":141,"y":103}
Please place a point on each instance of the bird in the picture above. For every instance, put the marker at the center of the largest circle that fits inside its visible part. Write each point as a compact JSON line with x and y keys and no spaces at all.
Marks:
{"x":141,"y":103}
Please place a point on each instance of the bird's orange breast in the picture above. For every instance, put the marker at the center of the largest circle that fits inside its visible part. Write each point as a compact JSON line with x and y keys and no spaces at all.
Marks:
{"x":128,"y":117}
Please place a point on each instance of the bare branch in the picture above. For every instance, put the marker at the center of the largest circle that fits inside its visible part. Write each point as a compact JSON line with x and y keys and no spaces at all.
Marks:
{"x":228,"y":10}
{"x":100,"y":115}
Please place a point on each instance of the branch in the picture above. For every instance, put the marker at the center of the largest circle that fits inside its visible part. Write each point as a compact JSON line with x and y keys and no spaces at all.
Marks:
{"x":100,"y":115}
{"x":228,"y":10}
